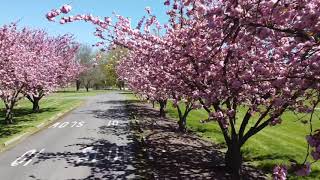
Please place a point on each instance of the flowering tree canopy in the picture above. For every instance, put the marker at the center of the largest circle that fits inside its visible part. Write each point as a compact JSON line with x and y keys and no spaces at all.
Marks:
{"x":263,"y":55}
{"x":33,"y":63}
{"x":56,"y":66}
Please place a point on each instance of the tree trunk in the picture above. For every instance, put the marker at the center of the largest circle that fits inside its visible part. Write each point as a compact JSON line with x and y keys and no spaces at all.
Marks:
{"x":233,"y":160}
{"x":162,"y":108}
{"x":87,"y":88}
{"x":78,"y":83}
{"x":35,"y":101}
{"x":36,"y":107}
{"x":182,"y":124}
{"x":9,"y":116}
{"x":183,"y":117}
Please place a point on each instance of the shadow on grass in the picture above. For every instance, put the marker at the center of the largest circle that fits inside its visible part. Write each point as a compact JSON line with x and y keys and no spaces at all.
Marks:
{"x":24,"y":114}
{"x":63,"y":92}
{"x":124,"y":93}
{"x":21,"y":117}
{"x":266,"y":162}
{"x":181,"y":156}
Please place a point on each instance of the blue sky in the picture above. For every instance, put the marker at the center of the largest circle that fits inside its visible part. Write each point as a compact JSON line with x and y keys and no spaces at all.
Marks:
{"x":31,"y":13}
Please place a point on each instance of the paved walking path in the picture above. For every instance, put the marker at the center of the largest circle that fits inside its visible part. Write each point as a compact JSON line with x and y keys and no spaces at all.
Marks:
{"x":91,"y":142}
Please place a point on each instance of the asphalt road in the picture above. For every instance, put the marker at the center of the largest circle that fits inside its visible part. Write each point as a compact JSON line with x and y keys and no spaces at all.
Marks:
{"x":91,"y":142}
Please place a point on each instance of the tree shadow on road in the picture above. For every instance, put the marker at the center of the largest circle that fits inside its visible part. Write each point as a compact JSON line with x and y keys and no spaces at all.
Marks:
{"x":124,"y":102}
{"x":105,"y":159}
{"x":111,"y":161}
{"x":165,"y":153}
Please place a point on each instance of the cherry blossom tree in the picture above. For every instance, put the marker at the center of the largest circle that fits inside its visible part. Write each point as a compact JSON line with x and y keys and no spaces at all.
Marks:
{"x":229,"y":55}
{"x":56,"y":66}
{"x":13,"y":69}
{"x":32,"y":64}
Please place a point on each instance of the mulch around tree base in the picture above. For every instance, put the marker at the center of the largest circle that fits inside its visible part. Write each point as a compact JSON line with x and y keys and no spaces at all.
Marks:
{"x":174,"y":155}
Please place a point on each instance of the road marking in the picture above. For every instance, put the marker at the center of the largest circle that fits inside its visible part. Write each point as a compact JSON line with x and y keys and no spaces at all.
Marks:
{"x":73,"y":124}
{"x":80,"y":124}
{"x":54,"y":125}
{"x":35,"y":156}
{"x":27,"y":157}
{"x":64,"y":124}
{"x":113,"y":123}
{"x":90,"y":154}
{"x":114,"y":154}
{"x":117,"y":153}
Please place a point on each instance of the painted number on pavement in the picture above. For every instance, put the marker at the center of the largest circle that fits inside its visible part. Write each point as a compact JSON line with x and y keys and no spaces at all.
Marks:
{"x":115,"y":153}
{"x":113,"y":123}
{"x":27,"y":157}
{"x":89,"y":155}
{"x":68,"y":124}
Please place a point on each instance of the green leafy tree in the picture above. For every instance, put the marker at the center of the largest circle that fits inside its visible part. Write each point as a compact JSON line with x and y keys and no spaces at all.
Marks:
{"x":111,"y":60}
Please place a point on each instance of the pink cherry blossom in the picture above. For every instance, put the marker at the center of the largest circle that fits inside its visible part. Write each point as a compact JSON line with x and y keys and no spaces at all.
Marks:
{"x":33,"y":64}
{"x":279,"y":172}
{"x":66,"y":9}
{"x":225,"y":55}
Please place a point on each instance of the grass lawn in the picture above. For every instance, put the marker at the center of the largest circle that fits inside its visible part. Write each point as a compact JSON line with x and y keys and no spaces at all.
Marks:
{"x":51,"y":105}
{"x":273,"y":145}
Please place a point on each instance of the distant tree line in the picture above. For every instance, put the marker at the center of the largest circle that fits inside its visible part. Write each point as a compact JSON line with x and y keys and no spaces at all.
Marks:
{"x":99,"y":68}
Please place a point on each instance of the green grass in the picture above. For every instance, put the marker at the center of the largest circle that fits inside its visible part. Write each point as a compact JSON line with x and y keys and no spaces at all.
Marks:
{"x":273,"y":145}
{"x":51,"y":105}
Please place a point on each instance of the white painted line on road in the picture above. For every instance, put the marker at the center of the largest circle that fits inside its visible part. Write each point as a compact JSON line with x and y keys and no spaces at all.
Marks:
{"x":80,"y":124}
{"x":90,"y":154}
{"x":113,"y":123}
{"x":64,"y":124}
{"x":26,"y":164}
{"x":74,"y":124}
{"x":26,"y":158}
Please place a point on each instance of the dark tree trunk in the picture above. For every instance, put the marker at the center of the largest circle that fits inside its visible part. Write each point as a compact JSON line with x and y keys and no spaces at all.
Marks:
{"x":163,"y":104}
{"x":233,"y":159}
{"x":87,"y":88}
{"x":152,"y":104}
{"x":9,"y":115}
{"x":78,"y":83}
{"x":35,"y":105}
{"x":182,"y":124}
{"x":35,"y":102}
{"x":183,"y":117}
